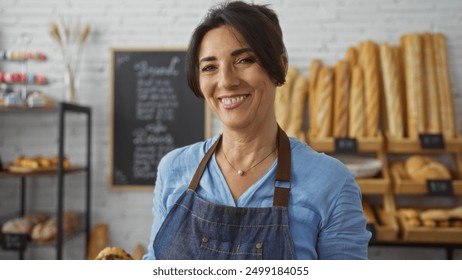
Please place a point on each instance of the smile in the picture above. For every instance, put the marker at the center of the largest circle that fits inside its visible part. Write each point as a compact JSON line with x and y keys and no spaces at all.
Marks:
{"x":227,"y":101}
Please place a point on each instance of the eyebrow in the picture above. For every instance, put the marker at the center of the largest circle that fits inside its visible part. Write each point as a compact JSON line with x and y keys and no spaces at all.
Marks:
{"x":233,"y":53}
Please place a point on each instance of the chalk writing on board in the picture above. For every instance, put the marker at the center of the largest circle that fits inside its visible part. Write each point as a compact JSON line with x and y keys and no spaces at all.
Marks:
{"x":154,"y":113}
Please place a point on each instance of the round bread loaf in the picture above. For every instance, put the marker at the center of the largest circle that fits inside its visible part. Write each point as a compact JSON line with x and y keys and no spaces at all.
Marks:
{"x":113,"y":253}
{"x":422,"y":168}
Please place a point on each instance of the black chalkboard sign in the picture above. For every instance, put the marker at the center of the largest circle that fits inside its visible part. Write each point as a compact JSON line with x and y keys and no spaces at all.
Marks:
{"x":153,"y":112}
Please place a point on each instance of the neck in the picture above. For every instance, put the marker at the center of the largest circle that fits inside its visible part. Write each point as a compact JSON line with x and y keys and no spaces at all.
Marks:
{"x":247,"y":146}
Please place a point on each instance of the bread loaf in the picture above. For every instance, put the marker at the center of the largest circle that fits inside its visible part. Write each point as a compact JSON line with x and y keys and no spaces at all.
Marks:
{"x":299,"y":97}
{"x":352,"y":57}
{"x":324,"y":102}
{"x":448,"y":126}
{"x":368,"y":60}
{"x":283,"y":99}
{"x":341,"y":99}
{"x":432,"y":97}
{"x":434,"y":215}
{"x":415,"y":91}
{"x":399,"y":169}
{"x":315,"y":67}
{"x":98,"y":240}
{"x":23,"y":225}
{"x":356,"y":127}
{"x":392,"y":91}
{"x":113,"y":253}
{"x":48,"y":231}
{"x":423,"y":168}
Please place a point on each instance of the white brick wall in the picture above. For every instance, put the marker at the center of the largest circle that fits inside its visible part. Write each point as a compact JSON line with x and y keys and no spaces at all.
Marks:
{"x":313,"y":29}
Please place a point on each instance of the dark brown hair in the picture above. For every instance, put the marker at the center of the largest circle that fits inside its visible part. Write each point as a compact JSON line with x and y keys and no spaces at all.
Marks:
{"x":257,"y":24}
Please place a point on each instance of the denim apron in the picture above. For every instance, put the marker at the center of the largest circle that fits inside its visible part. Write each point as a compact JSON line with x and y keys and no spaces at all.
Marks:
{"x":197,"y":229}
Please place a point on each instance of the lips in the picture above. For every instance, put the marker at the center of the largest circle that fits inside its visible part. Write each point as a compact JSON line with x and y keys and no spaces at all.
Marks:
{"x":233,"y":101}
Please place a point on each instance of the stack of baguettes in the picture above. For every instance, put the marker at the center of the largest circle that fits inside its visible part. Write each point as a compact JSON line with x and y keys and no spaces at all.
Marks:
{"x":427,"y":86}
{"x":290,"y":102}
{"x":344,"y":100}
{"x":403,"y":89}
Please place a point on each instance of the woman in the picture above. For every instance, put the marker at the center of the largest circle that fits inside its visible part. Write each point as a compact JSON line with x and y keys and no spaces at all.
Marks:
{"x":256,"y":194}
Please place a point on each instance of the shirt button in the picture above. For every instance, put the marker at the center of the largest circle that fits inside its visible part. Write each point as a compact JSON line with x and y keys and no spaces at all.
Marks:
{"x":205,"y":239}
{"x":259,"y":245}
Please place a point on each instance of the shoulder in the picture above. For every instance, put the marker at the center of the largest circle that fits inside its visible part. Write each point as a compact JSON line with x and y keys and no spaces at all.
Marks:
{"x":307,"y":160}
{"x":185,"y":157}
{"x":317,"y":178}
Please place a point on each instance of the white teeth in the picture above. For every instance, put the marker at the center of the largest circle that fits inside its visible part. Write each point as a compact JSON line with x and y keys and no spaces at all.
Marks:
{"x":230,"y":101}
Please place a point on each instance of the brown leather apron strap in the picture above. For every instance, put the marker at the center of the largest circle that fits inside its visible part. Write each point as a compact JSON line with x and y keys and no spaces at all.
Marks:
{"x":281,"y":193}
{"x":203,"y":164}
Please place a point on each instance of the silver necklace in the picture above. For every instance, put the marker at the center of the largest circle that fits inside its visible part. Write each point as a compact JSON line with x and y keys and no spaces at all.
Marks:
{"x":241,"y":172}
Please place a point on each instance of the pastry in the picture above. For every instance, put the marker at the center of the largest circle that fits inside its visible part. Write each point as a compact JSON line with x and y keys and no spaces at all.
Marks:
{"x":113,"y":253}
{"x":423,"y":168}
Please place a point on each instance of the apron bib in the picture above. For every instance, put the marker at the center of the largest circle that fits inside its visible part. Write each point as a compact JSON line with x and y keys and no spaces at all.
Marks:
{"x":197,"y":229}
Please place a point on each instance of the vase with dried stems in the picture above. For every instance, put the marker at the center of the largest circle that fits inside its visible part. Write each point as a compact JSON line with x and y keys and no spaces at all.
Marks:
{"x":71,"y":39}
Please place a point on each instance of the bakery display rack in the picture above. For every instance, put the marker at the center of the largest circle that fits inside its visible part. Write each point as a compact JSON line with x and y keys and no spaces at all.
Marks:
{"x":62,"y":109}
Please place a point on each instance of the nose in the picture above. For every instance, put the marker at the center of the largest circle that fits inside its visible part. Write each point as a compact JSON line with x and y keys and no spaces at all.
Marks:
{"x":229,"y":78}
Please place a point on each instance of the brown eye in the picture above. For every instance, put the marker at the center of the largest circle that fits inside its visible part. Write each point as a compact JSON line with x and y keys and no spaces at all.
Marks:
{"x":208,"y":68}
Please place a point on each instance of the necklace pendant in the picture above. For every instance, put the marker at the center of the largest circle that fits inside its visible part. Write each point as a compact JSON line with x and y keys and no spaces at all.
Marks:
{"x":240,"y":173}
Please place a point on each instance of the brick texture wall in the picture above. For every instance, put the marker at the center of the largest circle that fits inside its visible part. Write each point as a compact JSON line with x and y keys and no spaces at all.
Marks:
{"x":313,"y":29}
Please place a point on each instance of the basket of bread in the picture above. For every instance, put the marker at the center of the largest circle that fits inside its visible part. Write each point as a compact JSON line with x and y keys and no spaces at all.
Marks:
{"x":381,"y":222}
{"x":40,"y":227}
{"x":431,"y":225}
{"x":38,"y":164}
{"x":419,"y":174}
{"x":418,"y":99}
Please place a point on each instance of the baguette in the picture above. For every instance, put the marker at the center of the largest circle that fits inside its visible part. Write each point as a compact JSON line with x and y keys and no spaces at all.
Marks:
{"x":342,"y":87}
{"x":324,"y":102}
{"x":432,"y":98}
{"x":448,"y":126}
{"x":283,"y":98}
{"x":299,"y":96}
{"x":315,"y":67}
{"x":392,"y":91}
{"x":413,"y":66}
{"x":356,"y":128}
{"x":370,"y":64}
{"x":98,"y":240}
{"x":352,"y":57}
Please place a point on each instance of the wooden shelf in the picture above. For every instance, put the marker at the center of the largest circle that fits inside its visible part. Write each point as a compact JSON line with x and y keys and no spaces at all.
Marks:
{"x":412,"y":146}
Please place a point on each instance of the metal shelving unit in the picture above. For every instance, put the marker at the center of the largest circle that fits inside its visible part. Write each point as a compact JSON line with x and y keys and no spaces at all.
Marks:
{"x":63,"y":109}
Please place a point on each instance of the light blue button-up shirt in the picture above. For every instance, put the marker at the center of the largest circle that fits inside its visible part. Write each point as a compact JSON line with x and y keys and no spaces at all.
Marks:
{"x":325,"y":213}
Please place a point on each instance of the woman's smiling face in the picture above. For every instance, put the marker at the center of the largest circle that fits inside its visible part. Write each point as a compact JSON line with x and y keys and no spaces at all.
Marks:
{"x":235,"y":86}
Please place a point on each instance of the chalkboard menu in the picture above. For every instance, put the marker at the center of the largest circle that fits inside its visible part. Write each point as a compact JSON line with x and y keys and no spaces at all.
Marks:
{"x":153,"y":112}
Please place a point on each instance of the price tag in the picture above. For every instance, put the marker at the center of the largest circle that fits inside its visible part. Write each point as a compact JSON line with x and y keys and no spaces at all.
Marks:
{"x":440,"y":187}
{"x":346,"y":145}
{"x":14,"y":241}
{"x":431,"y":141}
